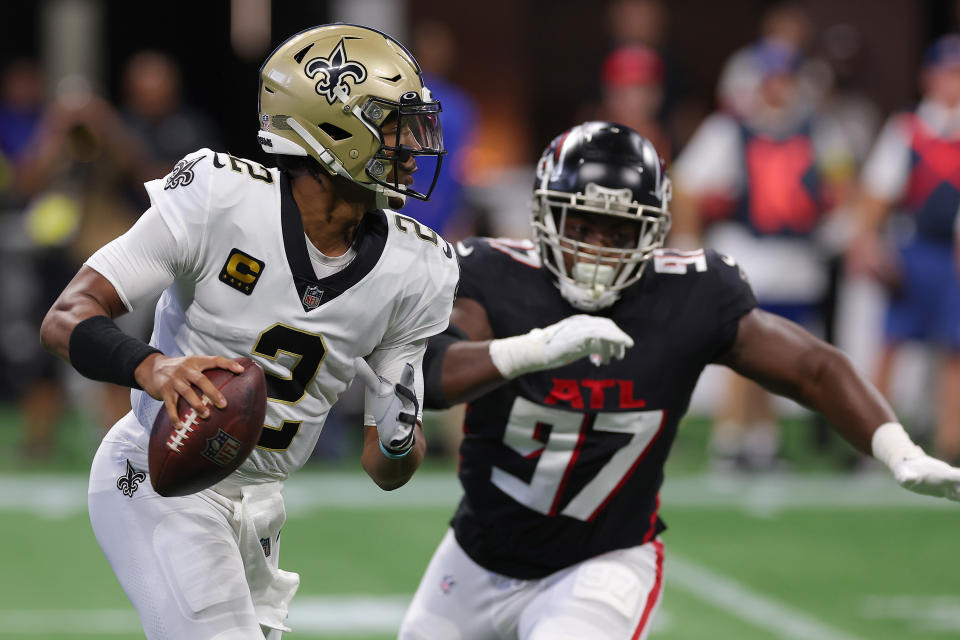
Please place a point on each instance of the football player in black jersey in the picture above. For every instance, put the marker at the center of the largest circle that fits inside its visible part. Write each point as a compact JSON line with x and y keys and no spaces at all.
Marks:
{"x":578,"y":354}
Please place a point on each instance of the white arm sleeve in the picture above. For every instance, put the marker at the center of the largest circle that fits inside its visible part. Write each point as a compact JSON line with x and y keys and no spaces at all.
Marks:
{"x":388,"y":363}
{"x":142,"y":262}
{"x":887,"y":167}
{"x":710,"y":163}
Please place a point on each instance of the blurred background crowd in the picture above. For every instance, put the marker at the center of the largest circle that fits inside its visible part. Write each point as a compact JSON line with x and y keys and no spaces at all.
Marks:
{"x":817,"y":142}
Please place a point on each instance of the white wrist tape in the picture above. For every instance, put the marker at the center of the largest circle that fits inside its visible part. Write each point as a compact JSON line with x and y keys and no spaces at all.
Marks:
{"x":517,"y":355}
{"x":891,"y":445}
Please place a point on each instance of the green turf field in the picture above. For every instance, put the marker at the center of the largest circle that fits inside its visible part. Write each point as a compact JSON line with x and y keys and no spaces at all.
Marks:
{"x":805,"y":554}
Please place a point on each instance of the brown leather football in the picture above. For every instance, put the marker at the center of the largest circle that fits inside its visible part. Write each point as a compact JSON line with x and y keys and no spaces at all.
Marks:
{"x":203,"y":452}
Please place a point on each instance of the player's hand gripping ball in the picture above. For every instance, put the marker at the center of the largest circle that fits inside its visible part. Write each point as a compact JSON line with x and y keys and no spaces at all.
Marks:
{"x":199,"y":452}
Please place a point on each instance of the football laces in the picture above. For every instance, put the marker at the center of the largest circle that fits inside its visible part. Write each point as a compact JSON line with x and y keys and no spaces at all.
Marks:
{"x":179,"y":435}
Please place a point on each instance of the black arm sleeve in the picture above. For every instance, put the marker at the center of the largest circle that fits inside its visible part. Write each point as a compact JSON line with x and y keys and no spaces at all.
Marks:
{"x":433,"y":366}
{"x":101,"y":351}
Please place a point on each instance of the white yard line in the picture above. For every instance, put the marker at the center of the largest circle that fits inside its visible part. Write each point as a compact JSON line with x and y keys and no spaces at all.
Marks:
{"x":932,"y":613}
{"x":343,"y":615}
{"x":58,"y":496}
{"x":369,"y":614}
{"x":738,"y":600}
{"x":347,"y":615}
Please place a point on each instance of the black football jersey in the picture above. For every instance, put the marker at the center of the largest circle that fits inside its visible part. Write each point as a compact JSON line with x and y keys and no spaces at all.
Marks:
{"x":562,"y":465}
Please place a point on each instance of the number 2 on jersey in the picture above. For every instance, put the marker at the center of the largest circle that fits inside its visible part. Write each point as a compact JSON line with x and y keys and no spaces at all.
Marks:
{"x":309,"y":351}
{"x":557,"y":457}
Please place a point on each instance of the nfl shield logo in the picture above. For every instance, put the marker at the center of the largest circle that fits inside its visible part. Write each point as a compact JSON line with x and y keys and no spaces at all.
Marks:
{"x":311,"y":297}
{"x":221,"y":448}
{"x":446,"y":585}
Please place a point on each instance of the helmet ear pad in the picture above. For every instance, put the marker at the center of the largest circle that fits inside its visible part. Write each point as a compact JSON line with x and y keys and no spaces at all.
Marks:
{"x":273,"y":143}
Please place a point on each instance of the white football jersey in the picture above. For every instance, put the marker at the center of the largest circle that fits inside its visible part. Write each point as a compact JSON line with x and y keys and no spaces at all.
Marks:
{"x":238,"y":281}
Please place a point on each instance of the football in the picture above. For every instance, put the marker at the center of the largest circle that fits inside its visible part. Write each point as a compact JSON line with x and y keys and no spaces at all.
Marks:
{"x":202,"y":452}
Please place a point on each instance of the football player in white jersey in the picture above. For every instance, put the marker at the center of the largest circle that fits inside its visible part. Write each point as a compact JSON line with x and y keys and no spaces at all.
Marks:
{"x":299,"y":267}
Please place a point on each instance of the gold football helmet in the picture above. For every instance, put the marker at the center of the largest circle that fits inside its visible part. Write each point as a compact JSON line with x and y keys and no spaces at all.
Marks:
{"x":353,"y":98}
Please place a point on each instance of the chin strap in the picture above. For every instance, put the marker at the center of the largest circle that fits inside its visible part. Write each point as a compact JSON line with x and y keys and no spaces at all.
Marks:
{"x":384,"y":195}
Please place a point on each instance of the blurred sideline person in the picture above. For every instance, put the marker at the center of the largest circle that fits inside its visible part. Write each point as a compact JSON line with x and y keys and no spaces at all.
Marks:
{"x":632,"y":78}
{"x":298,"y":267}
{"x":154,"y":111}
{"x":69,"y":172}
{"x":645,"y":24}
{"x":30,"y":375}
{"x":912,"y":170}
{"x":787,"y":24}
{"x":22,"y":98}
{"x":762,"y":186}
{"x":577,"y":376}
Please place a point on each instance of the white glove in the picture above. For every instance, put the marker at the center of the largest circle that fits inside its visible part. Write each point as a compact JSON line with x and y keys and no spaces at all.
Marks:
{"x":912,"y":468}
{"x":558,"y":344}
{"x":928,"y":476}
{"x":394,"y":408}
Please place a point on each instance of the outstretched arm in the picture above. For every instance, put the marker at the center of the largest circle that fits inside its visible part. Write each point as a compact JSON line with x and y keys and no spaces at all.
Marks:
{"x":459,"y":368}
{"x":789,"y":361}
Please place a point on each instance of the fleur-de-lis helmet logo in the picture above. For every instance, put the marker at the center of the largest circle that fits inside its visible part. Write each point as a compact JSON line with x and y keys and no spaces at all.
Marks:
{"x":332,"y":72}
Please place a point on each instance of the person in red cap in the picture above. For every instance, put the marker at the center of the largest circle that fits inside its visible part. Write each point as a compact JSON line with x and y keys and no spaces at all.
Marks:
{"x":906,"y":238}
{"x":757,"y":183}
{"x":632,"y":92}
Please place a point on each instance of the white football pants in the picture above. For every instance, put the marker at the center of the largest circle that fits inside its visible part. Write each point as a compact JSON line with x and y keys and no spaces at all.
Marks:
{"x":186,"y":562}
{"x":611,"y":596}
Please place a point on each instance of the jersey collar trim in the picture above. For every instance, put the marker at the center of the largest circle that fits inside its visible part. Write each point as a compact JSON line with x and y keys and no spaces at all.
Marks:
{"x":314,"y":293}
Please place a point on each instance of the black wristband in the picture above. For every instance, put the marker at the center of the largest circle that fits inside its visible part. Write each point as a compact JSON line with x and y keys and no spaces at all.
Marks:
{"x":101,"y":351}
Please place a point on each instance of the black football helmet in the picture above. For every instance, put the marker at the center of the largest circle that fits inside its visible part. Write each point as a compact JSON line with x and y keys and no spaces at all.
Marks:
{"x":601,"y":169}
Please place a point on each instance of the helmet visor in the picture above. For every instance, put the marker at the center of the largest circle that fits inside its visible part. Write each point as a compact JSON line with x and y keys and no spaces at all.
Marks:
{"x":412,"y":150}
